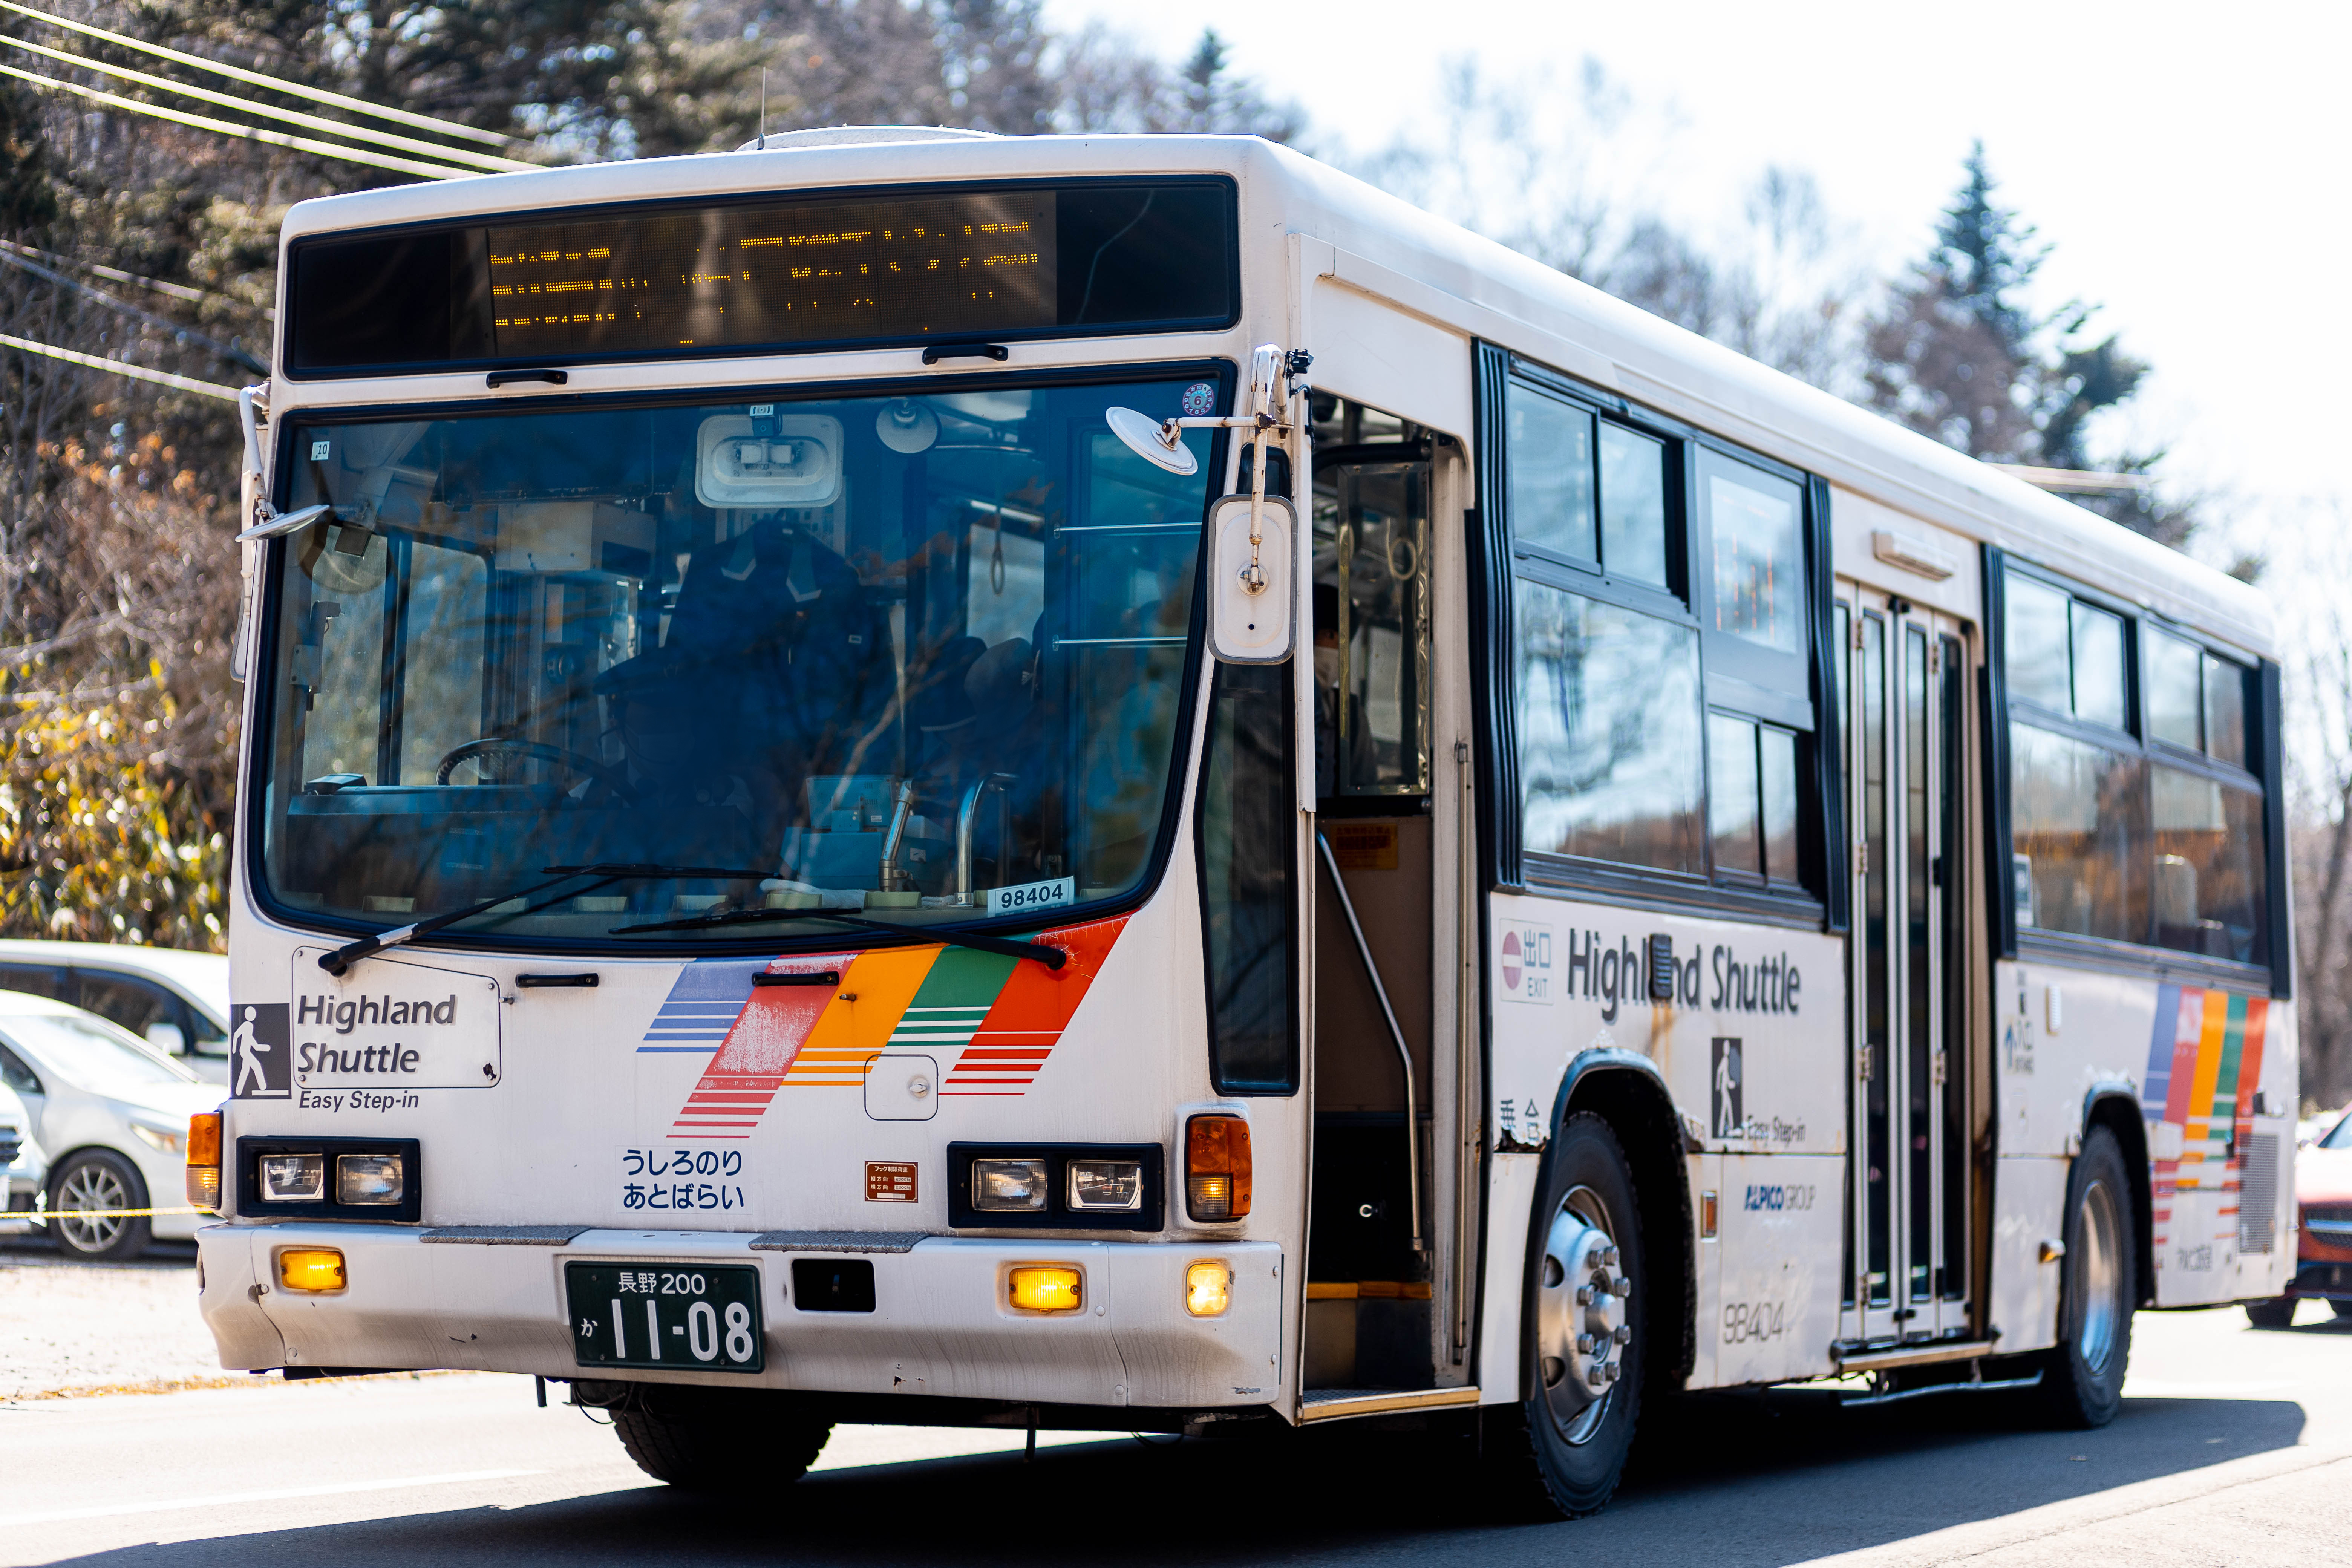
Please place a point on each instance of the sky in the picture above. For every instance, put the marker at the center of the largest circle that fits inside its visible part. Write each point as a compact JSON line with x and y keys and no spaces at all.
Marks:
{"x":2187,"y":164}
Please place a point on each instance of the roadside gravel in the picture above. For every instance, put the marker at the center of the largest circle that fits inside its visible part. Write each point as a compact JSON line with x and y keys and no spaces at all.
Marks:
{"x":78,"y":1327}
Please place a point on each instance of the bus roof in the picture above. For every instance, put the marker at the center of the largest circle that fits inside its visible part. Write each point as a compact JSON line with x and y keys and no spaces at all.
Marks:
{"x":1460,"y":279}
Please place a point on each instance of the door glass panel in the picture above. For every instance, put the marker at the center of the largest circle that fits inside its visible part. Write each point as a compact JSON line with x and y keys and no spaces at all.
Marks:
{"x":1919,"y":971}
{"x":1247,"y":837}
{"x":1953,"y":1286}
{"x":1844,"y":615}
{"x":1371,"y":629}
{"x":1878,"y":1022}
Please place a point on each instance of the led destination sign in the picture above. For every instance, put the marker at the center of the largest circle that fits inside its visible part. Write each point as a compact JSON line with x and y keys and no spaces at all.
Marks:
{"x":740,"y":276}
{"x":800,"y":272}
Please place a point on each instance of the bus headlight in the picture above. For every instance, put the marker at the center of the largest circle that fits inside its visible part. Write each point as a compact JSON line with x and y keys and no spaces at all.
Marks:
{"x":368,"y":1179}
{"x":1008,"y":1187}
{"x":1208,"y":1288}
{"x":1105,"y":1184}
{"x":293,"y":1178}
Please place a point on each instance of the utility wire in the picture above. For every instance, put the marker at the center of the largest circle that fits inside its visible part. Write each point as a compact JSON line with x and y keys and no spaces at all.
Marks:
{"x":246,"y":133}
{"x":254,"y":79}
{"x":136,"y":371}
{"x":177,"y":290}
{"x":116,"y":274}
{"x":487,"y":161}
{"x":243,"y":358}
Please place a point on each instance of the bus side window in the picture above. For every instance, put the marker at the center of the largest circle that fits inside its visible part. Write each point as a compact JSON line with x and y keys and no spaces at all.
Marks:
{"x":1247,"y":842}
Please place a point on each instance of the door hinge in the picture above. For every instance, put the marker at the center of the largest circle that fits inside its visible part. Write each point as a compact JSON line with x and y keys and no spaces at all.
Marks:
{"x":1862,"y":858}
{"x":1863,"y":1063}
{"x":1935,"y":1069}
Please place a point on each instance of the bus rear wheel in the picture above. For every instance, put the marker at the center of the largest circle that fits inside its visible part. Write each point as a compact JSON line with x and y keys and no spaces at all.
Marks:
{"x":1566,"y":1445}
{"x":734,"y":1441}
{"x":2083,"y":1375}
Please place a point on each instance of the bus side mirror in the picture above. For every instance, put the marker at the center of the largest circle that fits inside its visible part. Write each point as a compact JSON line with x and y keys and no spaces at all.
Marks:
{"x":1253,"y":588}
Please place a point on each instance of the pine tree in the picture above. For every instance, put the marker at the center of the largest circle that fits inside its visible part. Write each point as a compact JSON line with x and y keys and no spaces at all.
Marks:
{"x":1957,"y":354}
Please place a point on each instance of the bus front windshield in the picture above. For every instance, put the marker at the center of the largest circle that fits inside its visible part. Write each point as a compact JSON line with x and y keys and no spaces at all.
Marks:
{"x":918,"y":657}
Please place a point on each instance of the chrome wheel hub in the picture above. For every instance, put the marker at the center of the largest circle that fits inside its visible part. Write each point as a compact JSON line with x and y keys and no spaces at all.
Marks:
{"x":2099,"y":1276}
{"x":87,"y":1188}
{"x":1582,"y":1327}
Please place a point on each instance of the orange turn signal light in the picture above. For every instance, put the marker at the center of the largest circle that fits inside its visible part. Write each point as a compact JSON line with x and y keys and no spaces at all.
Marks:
{"x":313,"y":1268}
{"x":1037,"y":1289}
{"x":204,"y":1161}
{"x":1217,"y":1168}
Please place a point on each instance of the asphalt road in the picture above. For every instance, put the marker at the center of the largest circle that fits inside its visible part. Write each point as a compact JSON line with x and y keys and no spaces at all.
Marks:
{"x":2234,"y":1447}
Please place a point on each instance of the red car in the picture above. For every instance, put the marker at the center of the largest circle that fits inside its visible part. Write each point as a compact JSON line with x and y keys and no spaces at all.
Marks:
{"x":2323,"y":1198}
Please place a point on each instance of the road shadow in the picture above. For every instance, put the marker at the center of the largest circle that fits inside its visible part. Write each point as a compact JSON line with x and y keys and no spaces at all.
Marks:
{"x":1724,"y":1480}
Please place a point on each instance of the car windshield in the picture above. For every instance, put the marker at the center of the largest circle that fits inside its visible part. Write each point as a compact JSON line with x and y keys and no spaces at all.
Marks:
{"x":915,"y":656}
{"x":91,"y":1054}
{"x":2340,"y":1135}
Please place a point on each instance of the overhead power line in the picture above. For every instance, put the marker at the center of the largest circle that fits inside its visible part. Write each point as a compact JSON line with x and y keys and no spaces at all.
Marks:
{"x":246,"y":133}
{"x":487,"y":161}
{"x":254,"y":79}
{"x":136,"y":371}
{"x":243,"y":358}
{"x":116,"y":274}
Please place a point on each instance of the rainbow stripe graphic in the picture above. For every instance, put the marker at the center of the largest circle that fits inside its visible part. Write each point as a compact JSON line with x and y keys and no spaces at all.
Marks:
{"x":995,"y":1018}
{"x":2204,"y":1057}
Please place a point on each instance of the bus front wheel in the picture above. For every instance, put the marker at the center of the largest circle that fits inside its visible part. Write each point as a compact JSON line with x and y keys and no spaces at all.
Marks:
{"x":712,"y":1440}
{"x":1587,"y":1290}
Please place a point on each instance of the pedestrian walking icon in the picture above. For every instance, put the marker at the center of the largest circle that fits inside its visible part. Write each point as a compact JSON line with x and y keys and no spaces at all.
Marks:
{"x":259,"y":1063}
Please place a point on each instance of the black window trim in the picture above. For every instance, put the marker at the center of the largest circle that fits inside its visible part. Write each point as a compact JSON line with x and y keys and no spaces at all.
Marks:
{"x":914,"y":188}
{"x":1498,"y":561}
{"x":256,"y":764}
{"x":2274,"y":973}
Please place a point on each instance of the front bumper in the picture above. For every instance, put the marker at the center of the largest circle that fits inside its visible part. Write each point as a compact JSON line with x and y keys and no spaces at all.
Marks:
{"x":2331,"y":1282}
{"x":940,"y":1326}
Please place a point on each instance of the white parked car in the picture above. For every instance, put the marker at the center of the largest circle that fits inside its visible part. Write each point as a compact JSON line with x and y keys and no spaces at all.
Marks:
{"x":175,"y":1000}
{"x":22,"y":1164}
{"x":111,"y":1112}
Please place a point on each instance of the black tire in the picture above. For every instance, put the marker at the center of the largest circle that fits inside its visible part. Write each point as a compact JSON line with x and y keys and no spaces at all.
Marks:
{"x":2278,"y":1314}
{"x":2083,"y":1376}
{"x":94,"y":1180}
{"x":735,"y":1441}
{"x":2341,"y":1308}
{"x":1560,"y":1454}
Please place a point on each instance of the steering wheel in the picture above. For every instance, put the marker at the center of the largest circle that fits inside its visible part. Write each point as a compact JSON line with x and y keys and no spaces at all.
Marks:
{"x":603,"y":773}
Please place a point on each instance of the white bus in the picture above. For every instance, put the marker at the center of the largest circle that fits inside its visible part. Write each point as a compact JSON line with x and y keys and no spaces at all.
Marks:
{"x":799,"y":864}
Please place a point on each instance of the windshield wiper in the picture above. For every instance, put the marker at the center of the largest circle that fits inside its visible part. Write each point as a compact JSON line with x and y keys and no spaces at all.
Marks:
{"x":1051,"y":957}
{"x":339,"y":962}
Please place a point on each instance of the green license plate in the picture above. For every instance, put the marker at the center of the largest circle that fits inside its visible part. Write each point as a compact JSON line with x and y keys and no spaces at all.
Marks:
{"x":676,"y":1316}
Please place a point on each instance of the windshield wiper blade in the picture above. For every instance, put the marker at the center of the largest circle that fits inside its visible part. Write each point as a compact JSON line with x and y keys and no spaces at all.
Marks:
{"x":338,"y":962}
{"x":1051,"y":957}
